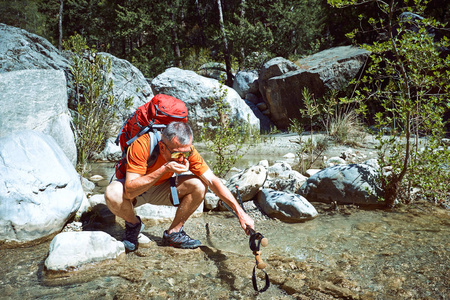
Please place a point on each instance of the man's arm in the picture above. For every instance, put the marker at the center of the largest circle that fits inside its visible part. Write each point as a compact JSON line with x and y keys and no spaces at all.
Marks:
{"x":216,"y":185}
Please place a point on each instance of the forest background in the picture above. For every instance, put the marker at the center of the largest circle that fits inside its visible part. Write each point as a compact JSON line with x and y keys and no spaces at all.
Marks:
{"x":408,"y":76}
{"x":156,"y":34}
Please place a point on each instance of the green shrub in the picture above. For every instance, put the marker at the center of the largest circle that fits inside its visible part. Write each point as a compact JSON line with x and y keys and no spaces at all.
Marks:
{"x":96,"y":104}
{"x":224,"y":139}
{"x":410,"y":81}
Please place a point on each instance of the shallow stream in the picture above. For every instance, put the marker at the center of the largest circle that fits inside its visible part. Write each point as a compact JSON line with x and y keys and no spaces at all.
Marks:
{"x":345,"y":253}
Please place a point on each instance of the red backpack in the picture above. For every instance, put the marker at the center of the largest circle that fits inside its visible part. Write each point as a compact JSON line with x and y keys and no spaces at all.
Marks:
{"x":150,"y":118}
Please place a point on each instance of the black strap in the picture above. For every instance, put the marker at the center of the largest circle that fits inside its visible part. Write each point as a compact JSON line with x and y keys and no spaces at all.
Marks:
{"x":255,"y":244}
{"x":239,"y":197}
{"x":255,"y":285}
{"x":173,"y":191}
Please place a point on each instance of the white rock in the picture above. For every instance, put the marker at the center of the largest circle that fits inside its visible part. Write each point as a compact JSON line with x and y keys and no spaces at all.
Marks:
{"x":96,"y":178}
{"x":289,"y":155}
{"x":70,"y":250}
{"x":162,"y":212}
{"x":97,"y":199}
{"x":311,"y":172}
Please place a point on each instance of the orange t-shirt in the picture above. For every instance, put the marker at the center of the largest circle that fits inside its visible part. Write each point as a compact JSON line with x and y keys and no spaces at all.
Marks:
{"x":138,"y":154}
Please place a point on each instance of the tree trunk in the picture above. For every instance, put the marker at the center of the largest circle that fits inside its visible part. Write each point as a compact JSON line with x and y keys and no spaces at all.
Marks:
{"x":200,"y":24}
{"x":229,"y":80}
{"x":176,"y":45}
{"x":61,"y":5}
{"x":242,"y":15}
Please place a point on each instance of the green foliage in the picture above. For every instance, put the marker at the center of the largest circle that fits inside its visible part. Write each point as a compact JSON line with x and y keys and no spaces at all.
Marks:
{"x":224,"y":139}
{"x":248,"y":38}
{"x":295,"y":26}
{"x":31,"y":15}
{"x":96,"y":104}
{"x":195,"y":58}
{"x":308,"y":150}
{"x":346,"y":129}
{"x":410,"y":83}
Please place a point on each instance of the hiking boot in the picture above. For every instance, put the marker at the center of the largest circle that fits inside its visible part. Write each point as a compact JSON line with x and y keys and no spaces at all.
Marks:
{"x":179,"y":240}
{"x":132,"y":231}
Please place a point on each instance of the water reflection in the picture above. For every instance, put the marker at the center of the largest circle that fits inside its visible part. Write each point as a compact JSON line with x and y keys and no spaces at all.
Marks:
{"x":400,"y":254}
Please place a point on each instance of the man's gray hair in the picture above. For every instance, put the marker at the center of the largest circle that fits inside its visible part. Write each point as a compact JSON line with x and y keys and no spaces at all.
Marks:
{"x":180,"y":130}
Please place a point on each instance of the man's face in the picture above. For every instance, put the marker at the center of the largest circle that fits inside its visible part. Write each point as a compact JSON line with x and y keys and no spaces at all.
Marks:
{"x":174,"y":151}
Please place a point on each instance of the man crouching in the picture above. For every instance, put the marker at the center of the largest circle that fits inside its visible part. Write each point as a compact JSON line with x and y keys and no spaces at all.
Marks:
{"x":151,"y":184}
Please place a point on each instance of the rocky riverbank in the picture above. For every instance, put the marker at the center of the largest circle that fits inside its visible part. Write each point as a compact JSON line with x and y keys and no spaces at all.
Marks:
{"x":345,"y":253}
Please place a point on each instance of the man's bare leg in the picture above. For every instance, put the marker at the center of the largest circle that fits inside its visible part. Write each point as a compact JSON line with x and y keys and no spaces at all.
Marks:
{"x":192,"y":191}
{"x":118,"y":205}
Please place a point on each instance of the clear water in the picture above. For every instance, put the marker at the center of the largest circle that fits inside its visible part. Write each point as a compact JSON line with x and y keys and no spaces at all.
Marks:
{"x":349,"y":253}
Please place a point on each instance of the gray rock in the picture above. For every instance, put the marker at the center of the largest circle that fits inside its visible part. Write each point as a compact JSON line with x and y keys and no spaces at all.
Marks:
{"x":37,"y":100}
{"x":111,"y":152}
{"x":21,"y":50}
{"x":71,"y":250}
{"x":278,"y":168}
{"x":282,"y":83}
{"x":261,"y":106}
{"x":214,"y":70}
{"x":253,"y":98}
{"x":246,"y":82}
{"x":128,"y":82}
{"x":344,"y":184}
{"x":332,"y":161}
{"x":97,"y":199}
{"x":284,"y":206}
{"x":198,"y":93}
{"x":88,"y":186}
{"x":211,"y":201}
{"x":265,"y":124}
{"x":275,"y":67}
{"x":39,"y":187}
{"x":336,"y":66}
{"x":288,"y":181}
{"x":283,"y":95}
{"x":249,"y":182}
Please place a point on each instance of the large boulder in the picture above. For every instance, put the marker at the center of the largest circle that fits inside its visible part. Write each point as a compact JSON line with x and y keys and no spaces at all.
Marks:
{"x":287,"y":207}
{"x":281,"y":177}
{"x":70,"y":250}
{"x":283,"y":95}
{"x":39,"y":187}
{"x":21,"y":50}
{"x":199,"y":93}
{"x":248,"y":182}
{"x":336,"y":66}
{"x":281,"y":84}
{"x":275,"y":67}
{"x":128,"y":82}
{"x":246,"y":82}
{"x":128,"y":86}
{"x":344,"y":184}
{"x":37,"y":100}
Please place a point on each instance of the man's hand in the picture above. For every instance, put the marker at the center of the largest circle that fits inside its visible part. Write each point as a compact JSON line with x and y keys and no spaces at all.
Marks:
{"x":246,"y":221}
{"x":176,"y":167}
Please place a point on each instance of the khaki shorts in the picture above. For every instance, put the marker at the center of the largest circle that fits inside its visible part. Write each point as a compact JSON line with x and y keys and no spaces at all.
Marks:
{"x":156,"y":195}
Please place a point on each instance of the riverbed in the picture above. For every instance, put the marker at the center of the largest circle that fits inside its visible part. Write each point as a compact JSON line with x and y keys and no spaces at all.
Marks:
{"x":347,"y":252}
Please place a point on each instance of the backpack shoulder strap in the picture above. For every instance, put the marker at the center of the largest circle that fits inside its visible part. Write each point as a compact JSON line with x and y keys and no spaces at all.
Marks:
{"x":155,"y":137}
